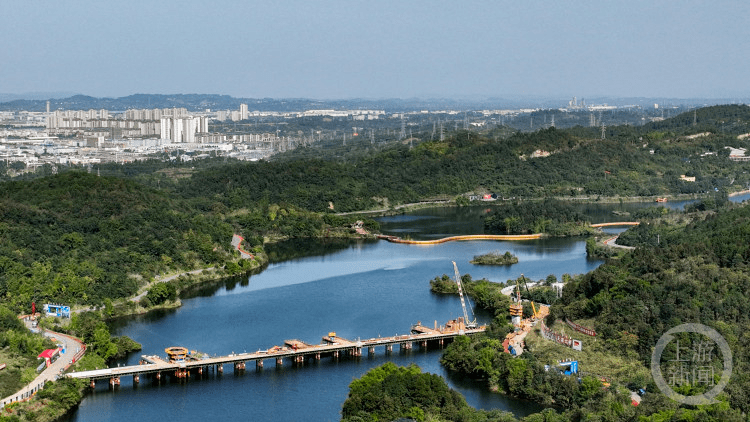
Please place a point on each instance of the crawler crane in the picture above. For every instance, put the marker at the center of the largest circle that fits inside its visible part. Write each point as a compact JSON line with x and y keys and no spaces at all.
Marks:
{"x":467,"y":322}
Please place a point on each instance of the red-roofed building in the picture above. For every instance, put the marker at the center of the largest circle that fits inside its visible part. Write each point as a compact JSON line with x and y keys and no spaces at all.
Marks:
{"x":49,"y":355}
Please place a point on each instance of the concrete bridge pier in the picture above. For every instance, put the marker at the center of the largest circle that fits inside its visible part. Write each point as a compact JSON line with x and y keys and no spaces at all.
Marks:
{"x":423,"y":344}
{"x":279,"y":361}
{"x":259,"y":364}
{"x":406,"y":345}
{"x":441,"y":343}
{"x":239,"y":366}
{"x":136,"y":379}
{"x":335,"y":354}
{"x":114,"y":381}
{"x":371,"y":350}
{"x":299,"y":359}
{"x":93,"y":383}
{"x":219,"y":369}
{"x":388,"y":348}
{"x":317,"y":356}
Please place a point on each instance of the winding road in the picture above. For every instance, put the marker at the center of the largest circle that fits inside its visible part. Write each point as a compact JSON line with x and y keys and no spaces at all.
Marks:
{"x":74,"y":349}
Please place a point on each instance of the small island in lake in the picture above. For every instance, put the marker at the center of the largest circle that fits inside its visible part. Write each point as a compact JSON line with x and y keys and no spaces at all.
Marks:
{"x":495,"y":258}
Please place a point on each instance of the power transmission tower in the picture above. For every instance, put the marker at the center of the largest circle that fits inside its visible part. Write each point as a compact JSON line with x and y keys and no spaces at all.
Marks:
{"x":604,"y":130}
{"x":442,"y":135}
{"x":403,"y":128}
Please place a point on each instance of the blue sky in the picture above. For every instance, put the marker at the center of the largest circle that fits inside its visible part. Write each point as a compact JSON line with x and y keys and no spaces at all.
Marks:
{"x":377,"y":49}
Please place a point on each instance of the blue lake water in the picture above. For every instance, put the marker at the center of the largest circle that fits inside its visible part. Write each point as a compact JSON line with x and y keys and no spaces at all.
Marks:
{"x":360,"y":290}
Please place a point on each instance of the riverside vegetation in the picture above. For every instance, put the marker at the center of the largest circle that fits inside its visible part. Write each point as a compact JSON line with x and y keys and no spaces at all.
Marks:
{"x":96,"y":241}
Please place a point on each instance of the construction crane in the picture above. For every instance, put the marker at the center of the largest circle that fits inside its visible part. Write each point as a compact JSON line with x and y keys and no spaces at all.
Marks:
{"x":467,"y":322}
{"x":533,"y":308}
{"x":516,"y":309}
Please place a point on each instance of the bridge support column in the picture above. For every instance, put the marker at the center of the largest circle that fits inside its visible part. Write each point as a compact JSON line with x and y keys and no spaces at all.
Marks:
{"x":136,"y":379}
{"x":317,"y":356}
{"x":93,"y":383}
{"x":239,"y":366}
{"x":114,"y":381}
{"x":200,"y":370}
{"x":406,"y":345}
{"x":158,"y":375}
{"x":357,"y":351}
{"x":259,"y":364}
{"x":220,"y":368}
{"x":441,"y":343}
{"x":299,"y":359}
{"x":335,"y":354}
{"x":279,"y":361}
{"x":388,"y":348}
{"x":424,"y":344}
{"x":371,"y":350}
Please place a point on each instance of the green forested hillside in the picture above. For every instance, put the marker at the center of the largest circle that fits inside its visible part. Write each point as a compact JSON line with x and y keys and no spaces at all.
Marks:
{"x":698,"y":274}
{"x":78,"y":238}
{"x":631,"y":161}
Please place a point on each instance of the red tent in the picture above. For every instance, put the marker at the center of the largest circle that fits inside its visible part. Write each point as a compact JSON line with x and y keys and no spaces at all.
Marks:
{"x":48,"y":355}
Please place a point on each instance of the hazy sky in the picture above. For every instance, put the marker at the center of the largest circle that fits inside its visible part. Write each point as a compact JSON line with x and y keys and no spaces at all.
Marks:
{"x":377,"y":49}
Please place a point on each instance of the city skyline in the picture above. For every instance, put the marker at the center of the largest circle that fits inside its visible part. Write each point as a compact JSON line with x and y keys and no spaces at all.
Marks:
{"x":337,"y":50}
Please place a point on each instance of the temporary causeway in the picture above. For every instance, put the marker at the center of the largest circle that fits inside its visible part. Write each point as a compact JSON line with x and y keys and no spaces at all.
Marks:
{"x":396,"y":239}
{"x":181,"y":367}
{"x":616,"y":224}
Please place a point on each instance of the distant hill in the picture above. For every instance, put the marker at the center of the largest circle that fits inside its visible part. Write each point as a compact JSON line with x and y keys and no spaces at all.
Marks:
{"x":200,"y":102}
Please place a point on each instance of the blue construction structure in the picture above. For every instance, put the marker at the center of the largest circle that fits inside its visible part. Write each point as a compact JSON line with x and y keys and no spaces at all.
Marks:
{"x":56,"y":310}
{"x":572,"y":367}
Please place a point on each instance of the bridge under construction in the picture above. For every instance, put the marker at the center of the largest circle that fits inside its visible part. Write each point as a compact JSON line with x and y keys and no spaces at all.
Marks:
{"x":181,"y":364}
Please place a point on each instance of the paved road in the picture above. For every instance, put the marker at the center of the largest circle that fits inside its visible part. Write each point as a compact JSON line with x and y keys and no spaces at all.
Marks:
{"x":611,"y":242}
{"x":73,"y":350}
{"x":397,"y":207}
{"x":140,"y":296}
{"x":165,"y":279}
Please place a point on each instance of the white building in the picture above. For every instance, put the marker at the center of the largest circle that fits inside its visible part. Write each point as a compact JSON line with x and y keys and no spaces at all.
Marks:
{"x":183,"y":130}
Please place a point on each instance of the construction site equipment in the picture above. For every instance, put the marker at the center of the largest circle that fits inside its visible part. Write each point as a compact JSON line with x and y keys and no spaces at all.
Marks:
{"x":176,"y":354}
{"x":516,"y":309}
{"x":533,"y":308}
{"x":469,"y":323}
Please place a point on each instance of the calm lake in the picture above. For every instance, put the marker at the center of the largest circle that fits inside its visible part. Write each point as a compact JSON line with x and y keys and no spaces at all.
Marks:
{"x":359,"y":289}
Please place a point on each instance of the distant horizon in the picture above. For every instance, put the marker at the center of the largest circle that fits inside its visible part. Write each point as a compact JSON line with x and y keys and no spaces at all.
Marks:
{"x":61,"y":95}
